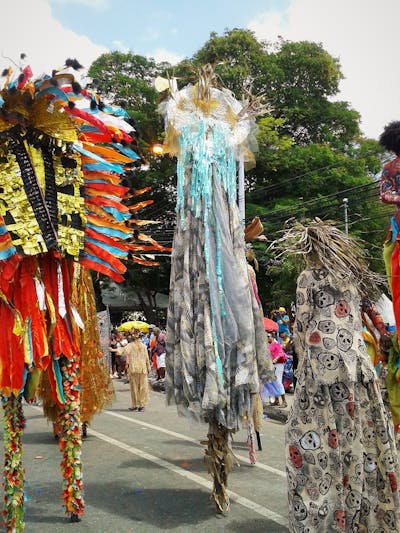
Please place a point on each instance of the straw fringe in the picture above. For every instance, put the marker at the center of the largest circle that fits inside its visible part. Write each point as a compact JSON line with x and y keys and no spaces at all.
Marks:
{"x":320,"y":242}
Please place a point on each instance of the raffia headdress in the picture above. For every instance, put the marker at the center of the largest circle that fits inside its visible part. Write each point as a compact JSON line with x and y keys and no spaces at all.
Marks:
{"x":321,"y":242}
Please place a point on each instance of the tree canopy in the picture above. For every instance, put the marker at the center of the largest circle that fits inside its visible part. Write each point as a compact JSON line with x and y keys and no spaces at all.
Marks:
{"x":310,"y":157}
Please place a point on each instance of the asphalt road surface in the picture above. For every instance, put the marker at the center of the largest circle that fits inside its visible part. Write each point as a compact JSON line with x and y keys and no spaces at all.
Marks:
{"x":144,"y":472}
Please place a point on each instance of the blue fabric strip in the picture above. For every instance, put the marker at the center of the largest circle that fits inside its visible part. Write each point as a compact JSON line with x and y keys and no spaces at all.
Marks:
{"x":118,"y":215}
{"x":106,"y":164}
{"x":395,"y":228}
{"x":103,"y":167}
{"x":99,"y":261}
{"x":126,"y":151}
{"x":55,"y":91}
{"x":58,"y":379}
{"x":6,"y":254}
{"x":109,"y":231}
{"x":108,"y":247}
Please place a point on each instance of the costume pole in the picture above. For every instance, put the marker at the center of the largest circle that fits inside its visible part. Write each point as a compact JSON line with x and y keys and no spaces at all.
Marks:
{"x":257,"y":418}
{"x":259,"y":441}
{"x":250,"y":441}
{"x":250,"y":433}
{"x":71,"y":441}
{"x":13,"y":475}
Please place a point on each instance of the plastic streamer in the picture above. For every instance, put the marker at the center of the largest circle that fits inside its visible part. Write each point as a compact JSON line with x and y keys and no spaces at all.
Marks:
{"x":62,"y":157}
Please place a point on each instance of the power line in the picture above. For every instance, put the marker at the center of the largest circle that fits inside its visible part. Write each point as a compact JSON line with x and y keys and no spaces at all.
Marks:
{"x":319,"y":199}
{"x":333,"y":165}
{"x":156,"y":208}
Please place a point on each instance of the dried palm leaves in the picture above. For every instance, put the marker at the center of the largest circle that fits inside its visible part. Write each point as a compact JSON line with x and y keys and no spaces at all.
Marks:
{"x":321,"y":243}
{"x":219,"y":460}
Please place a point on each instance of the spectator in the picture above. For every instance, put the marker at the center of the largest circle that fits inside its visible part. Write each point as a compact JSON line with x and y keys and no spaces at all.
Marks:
{"x":146,"y":340}
{"x":279,"y":359}
{"x":120,"y":360}
{"x":285,"y":341}
{"x":138,"y":369}
{"x":114,"y":344}
{"x":153,"y":355}
{"x":282,"y":320}
{"x":159,"y":351}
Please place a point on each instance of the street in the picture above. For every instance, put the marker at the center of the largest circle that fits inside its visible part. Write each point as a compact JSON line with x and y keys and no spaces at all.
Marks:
{"x":144,"y":472}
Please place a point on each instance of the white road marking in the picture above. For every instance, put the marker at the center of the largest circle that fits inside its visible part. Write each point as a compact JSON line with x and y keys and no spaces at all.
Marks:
{"x":180,"y":436}
{"x":259,"y":509}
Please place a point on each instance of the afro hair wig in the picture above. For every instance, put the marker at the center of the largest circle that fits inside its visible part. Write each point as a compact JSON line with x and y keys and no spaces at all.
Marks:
{"x":390,"y":138}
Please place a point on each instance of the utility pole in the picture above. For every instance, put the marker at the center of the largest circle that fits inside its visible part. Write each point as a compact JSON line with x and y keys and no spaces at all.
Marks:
{"x":346,"y":218}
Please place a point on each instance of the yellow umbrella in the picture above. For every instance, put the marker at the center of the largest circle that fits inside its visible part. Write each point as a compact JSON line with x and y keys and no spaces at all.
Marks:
{"x":134,"y":324}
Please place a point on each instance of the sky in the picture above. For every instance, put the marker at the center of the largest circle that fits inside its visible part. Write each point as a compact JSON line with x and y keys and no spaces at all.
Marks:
{"x":362,"y":34}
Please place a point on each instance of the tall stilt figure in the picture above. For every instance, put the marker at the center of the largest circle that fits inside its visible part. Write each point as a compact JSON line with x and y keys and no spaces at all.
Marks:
{"x":341,"y":460}
{"x":216,"y":350}
{"x":62,"y":153}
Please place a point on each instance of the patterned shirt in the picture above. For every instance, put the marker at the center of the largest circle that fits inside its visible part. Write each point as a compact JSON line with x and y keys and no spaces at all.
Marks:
{"x":390,"y":182}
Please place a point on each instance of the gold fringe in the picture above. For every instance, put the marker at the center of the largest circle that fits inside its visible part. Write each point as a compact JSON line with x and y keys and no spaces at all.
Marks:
{"x":96,"y":386}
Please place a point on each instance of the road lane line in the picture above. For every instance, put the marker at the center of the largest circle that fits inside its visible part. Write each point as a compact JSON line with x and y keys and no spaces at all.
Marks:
{"x":180,"y":436}
{"x":253,"y":506}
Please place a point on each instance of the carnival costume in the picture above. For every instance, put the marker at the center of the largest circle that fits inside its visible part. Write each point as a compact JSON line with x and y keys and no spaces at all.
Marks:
{"x":390,"y":194}
{"x":62,"y":154}
{"x":342,"y":465}
{"x":215,"y":339}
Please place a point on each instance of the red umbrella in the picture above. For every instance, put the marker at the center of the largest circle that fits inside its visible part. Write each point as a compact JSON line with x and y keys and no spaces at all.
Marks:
{"x":270,"y":325}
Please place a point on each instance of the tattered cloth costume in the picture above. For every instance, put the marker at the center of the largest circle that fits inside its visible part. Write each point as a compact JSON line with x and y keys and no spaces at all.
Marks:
{"x":342,"y":465}
{"x":62,"y":152}
{"x":343,"y":470}
{"x":216,"y":349}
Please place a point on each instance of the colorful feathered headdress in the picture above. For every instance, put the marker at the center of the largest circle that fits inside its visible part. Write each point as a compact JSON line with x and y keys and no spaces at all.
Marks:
{"x":62,"y":155}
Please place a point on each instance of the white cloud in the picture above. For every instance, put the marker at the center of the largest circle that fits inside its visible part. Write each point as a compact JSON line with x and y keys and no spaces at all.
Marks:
{"x":160,"y":54}
{"x":363,"y":35}
{"x":32,"y":29}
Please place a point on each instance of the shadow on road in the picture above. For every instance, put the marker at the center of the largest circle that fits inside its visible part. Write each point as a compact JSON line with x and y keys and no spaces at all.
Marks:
{"x":257,"y":526}
{"x":160,"y":508}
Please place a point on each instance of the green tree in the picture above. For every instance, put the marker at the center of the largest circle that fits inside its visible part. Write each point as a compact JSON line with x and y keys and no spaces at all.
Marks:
{"x":310,"y":152}
{"x":305,"y":77}
{"x":126,"y":79}
{"x":298,"y":78}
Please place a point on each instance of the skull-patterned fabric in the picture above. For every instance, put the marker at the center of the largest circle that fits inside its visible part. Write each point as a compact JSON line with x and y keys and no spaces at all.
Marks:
{"x":342,"y":463}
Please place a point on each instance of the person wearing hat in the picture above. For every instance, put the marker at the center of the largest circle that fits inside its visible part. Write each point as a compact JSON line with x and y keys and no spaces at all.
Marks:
{"x":138,"y":370}
{"x":282,"y":320}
